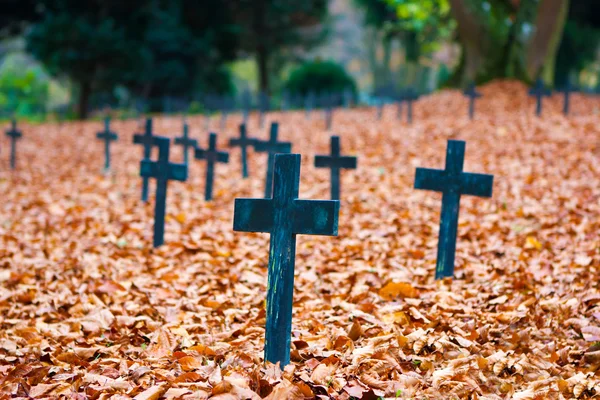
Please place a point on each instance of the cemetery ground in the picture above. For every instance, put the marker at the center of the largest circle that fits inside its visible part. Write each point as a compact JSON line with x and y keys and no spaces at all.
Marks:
{"x":89,"y":310}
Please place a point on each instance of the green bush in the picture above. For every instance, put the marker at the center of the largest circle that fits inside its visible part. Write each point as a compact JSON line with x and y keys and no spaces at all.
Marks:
{"x":23,"y":88}
{"x":320,"y":77}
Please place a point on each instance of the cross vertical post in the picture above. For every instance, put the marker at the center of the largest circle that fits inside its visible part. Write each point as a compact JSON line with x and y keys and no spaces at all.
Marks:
{"x":453,"y":183}
{"x":335,"y":161}
{"x":410,"y":95}
{"x":243,"y":142}
{"x":284,"y":216}
{"x":567,"y":90}
{"x":186,"y":142}
{"x":212,"y":156}
{"x":472,"y":93}
{"x":108,"y":137}
{"x":163,"y":171}
{"x":264,"y":107}
{"x":14,"y":134}
{"x":271,"y":147}
{"x":539,"y":91}
{"x":146,"y":140}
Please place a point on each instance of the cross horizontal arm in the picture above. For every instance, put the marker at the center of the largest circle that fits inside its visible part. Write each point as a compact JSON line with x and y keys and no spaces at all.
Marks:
{"x":476,"y":184}
{"x":280,"y":147}
{"x":149,"y":169}
{"x":178,"y":172}
{"x":347,"y":162}
{"x":253,"y":215}
{"x":430,"y":179}
{"x":316,"y":217}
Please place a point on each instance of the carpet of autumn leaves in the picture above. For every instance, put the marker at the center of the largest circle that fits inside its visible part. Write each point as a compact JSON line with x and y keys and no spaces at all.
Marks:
{"x":88,"y":310}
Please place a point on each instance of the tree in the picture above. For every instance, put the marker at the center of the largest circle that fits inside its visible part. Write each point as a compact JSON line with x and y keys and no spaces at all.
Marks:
{"x":270,"y":27}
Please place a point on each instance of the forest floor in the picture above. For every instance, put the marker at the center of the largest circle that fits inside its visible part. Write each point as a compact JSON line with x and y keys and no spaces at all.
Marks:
{"x":88,"y":310}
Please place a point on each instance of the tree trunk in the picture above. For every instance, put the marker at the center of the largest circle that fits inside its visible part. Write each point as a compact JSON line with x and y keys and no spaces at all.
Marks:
{"x":387,"y":56}
{"x":549,"y":26}
{"x":85,"y":91}
{"x":262,"y":52}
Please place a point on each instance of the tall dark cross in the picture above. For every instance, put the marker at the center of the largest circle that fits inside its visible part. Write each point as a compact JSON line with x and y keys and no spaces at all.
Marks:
{"x":567,"y":90}
{"x":335,"y":161}
{"x":212,"y":156}
{"x":539,"y":91}
{"x":163,"y":171}
{"x":284,"y":216}
{"x":146,"y":140}
{"x":108,"y":137}
{"x":243,"y":142}
{"x":14,"y":134}
{"x":472,"y":93}
{"x":264,"y":105}
{"x":410,"y":95}
{"x":272,"y":147}
{"x":453,"y":183}
{"x":186,"y":142}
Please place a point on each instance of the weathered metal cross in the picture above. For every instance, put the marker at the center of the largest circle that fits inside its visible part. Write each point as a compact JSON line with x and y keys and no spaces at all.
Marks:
{"x":284,"y":216}
{"x":108,"y":137}
{"x":14,"y":135}
{"x":453,"y":183}
{"x":163,"y":171}
{"x":567,"y":90}
{"x":472,"y":93}
{"x":539,"y":91}
{"x":272,"y":147}
{"x":335,"y":161}
{"x":243,"y":142}
{"x":212,"y":156}
{"x":146,"y":140}
{"x":186,"y":142}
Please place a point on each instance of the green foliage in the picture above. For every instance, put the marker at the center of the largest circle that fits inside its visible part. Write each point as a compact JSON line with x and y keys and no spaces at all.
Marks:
{"x":320,"y":77}
{"x":577,"y":50}
{"x":23,"y":90}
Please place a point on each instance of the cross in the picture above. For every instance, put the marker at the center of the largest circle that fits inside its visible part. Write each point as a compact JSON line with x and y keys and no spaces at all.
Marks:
{"x":472,"y":93}
{"x":264,"y":105}
{"x":186,"y":142}
{"x":410,"y":95}
{"x":146,"y":140}
{"x":336,"y":162}
{"x":108,"y":137}
{"x":329,"y":102}
{"x":539,"y":91}
{"x":163,"y":171}
{"x":246,"y":105}
{"x":243,"y":142}
{"x":272,"y":147}
{"x":284,"y":216}
{"x":567,"y":90}
{"x":212,"y":156}
{"x":309,"y":103}
{"x":400,"y":100}
{"x":453,"y":183}
{"x":14,"y":135}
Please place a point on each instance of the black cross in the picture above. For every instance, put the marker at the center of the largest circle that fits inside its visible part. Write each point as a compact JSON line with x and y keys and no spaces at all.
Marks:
{"x":453,"y":183}
{"x":146,"y":140}
{"x":14,"y":135}
{"x":336,"y":162}
{"x":243,"y":142}
{"x":163,"y":171}
{"x":186,"y":142}
{"x":272,"y":147}
{"x":472,"y":93}
{"x":539,"y":91}
{"x":284,"y":216}
{"x":108,"y":137}
{"x":212,"y":156}
{"x":567,"y":90}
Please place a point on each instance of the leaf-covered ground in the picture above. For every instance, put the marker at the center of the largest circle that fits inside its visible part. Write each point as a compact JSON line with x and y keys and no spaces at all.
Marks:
{"x":88,"y":310}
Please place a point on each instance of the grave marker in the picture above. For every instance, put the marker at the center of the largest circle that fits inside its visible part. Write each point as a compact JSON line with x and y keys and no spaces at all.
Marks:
{"x":472,"y":93}
{"x":212,"y":156}
{"x":453,"y":183}
{"x":108,"y":137}
{"x":186,"y":142}
{"x":14,"y":134}
{"x":410,"y":95}
{"x":335,"y":161}
{"x":539,"y":91}
{"x":567,"y":90}
{"x":284,"y":216}
{"x":271,"y":147}
{"x":163,"y":171}
{"x":243,"y":142}
{"x":146,"y":140}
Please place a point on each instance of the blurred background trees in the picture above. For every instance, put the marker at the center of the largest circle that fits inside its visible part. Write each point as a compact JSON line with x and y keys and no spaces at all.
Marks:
{"x":159,"y":54}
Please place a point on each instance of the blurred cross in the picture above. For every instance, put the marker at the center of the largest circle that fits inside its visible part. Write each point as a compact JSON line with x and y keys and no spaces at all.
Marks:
{"x":539,"y":91}
{"x":335,"y":162}
{"x":272,"y":147}
{"x":146,"y":140}
{"x":108,"y":137}
{"x":163,"y":171}
{"x":472,"y":93}
{"x":14,"y":134}
{"x":246,"y":105}
{"x":186,"y":142}
{"x":243,"y":142}
{"x":264,"y":103}
{"x":567,"y":90}
{"x":212,"y":156}
{"x":329,"y":103}
{"x":453,"y":183}
{"x":410,"y":95}
{"x":284,"y":216}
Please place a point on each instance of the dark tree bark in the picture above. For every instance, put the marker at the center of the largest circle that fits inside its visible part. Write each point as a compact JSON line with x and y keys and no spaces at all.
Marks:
{"x":262,"y":51}
{"x":85,"y":91}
